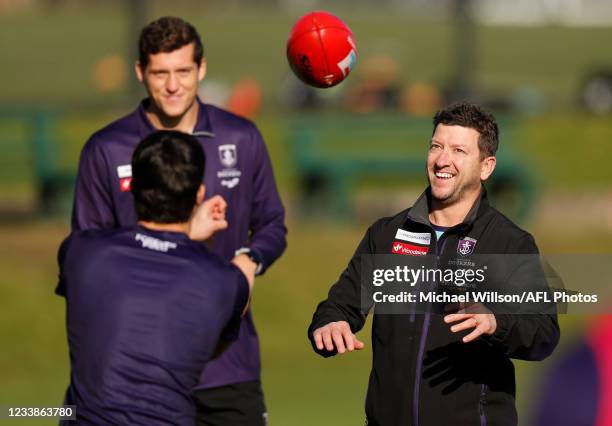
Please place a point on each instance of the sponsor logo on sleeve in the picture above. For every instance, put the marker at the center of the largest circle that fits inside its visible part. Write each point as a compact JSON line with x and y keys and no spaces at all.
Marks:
{"x":408,"y":249}
{"x":413,"y":237}
{"x":124,"y":171}
{"x":125,"y":184}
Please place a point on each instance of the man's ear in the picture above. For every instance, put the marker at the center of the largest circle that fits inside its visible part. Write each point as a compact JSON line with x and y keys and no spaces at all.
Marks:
{"x":202,"y":70}
{"x":200,"y":195}
{"x":139,"y":71}
{"x":487,"y":167}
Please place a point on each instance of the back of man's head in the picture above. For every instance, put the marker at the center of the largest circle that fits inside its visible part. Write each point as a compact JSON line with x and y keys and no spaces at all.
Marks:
{"x":167,"y":171}
{"x":166,"y":35}
{"x":473,"y":116}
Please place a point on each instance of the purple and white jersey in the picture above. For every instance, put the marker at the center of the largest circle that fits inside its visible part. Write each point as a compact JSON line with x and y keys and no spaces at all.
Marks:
{"x":145,"y":311}
{"x":237,"y":167}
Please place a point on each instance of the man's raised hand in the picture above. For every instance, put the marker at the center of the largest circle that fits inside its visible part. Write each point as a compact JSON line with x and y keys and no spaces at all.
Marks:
{"x":208,"y":218}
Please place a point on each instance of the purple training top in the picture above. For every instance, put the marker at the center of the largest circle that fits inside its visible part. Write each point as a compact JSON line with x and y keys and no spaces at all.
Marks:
{"x":145,"y":312}
{"x":237,"y":167}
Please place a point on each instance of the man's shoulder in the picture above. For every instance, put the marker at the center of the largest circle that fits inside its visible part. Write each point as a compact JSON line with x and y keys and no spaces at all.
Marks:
{"x":209,"y":262}
{"x":397,"y":219}
{"x":219,"y":274}
{"x":387,"y":226}
{"x":83,"y":246}
{"x":121,"y":131}
{"x":504,"y":225}
{"x":95,"y":236}
{"x":225,"y":120}
{"x":505,"y":235}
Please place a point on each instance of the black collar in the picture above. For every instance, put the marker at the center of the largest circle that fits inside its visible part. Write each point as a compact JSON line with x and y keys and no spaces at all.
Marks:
{"x":420,"y":210}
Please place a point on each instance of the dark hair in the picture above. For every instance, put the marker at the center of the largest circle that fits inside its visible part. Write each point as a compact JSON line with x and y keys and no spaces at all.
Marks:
{"x":167,"y":171}
{"x":166,"y":35}
{"x":473,"y":116}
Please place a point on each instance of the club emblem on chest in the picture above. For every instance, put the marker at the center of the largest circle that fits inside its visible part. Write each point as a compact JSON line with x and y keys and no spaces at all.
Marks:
{"x":466,"y":246}
{"x":228,"y":155}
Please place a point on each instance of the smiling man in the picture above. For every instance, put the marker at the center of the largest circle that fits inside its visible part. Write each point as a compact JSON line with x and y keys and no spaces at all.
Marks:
{"x":434,"y":368}
{"x":171,"y":64}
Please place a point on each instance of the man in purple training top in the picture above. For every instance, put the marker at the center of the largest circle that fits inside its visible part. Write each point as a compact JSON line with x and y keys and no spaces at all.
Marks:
{"x":170,"y":65}
{"x":147,"y":305}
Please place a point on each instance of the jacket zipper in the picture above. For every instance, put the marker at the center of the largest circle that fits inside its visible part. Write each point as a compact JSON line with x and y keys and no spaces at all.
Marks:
{"x":424,"y":331}
{"x":413,"y":307}
{"x":481,"y":403}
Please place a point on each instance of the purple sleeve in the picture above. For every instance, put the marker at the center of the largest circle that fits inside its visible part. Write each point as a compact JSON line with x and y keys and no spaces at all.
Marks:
{"x":570,"y":391}
{"x":93,"y":208}
{"x":60,"y":290}
{"x":240,"y":297}
{"x":533,"y":333}
{"x":268,"y":231}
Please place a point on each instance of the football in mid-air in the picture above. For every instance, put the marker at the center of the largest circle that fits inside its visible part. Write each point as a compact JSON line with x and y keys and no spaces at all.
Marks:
{"x":321,"y":49}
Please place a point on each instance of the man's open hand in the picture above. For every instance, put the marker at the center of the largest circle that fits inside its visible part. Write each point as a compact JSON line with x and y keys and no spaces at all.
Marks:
{"x":336,"y":335}
{"x":476,"y":316}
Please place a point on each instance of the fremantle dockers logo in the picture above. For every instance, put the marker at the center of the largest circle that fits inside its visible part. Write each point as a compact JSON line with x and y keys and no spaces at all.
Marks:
{"x":466,"y":246}
{"x":228,"y":155}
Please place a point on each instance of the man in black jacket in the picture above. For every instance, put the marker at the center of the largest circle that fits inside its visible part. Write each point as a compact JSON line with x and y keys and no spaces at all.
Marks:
{"x":431,"y":368}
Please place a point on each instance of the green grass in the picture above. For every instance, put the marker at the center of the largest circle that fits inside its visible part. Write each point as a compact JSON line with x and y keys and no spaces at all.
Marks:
{"x":33,"y":361}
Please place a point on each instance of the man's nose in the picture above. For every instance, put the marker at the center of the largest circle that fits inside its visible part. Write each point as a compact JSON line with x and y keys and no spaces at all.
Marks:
{"x":172,"y":83}
{"x":443,"y":158}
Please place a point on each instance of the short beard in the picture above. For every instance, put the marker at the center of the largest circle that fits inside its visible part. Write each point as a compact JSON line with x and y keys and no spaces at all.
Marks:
{"x":450,"y":199}
{"x":456,"y":195}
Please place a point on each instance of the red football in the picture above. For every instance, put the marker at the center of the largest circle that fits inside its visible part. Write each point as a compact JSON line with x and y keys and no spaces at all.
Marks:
{"x":321,"y":49}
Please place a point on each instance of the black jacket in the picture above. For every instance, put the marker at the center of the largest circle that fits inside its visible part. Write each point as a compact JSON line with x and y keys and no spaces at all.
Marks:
{"x":422,"y":373}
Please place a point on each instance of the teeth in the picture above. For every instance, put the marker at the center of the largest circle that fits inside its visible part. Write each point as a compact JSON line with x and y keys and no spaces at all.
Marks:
{"x":444,"y":175}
